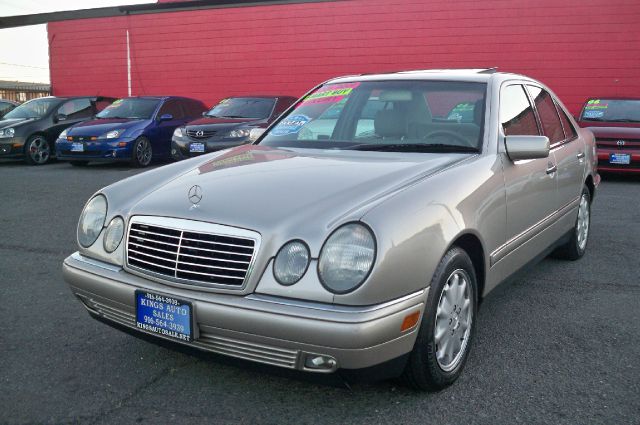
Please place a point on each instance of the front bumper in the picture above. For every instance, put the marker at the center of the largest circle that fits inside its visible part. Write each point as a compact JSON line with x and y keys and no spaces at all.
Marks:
{"x":605,"y":165}
{"x":180,"y":149}
{"x":112,"y":150}
{"x":12,"y":147}
{"x":260,"y":328}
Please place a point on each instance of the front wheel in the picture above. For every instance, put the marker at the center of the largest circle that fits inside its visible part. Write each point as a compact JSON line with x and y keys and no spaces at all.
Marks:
{"x":447,"y":328}
{"x":577,"y":245}
{"x":142,"y":152}
{"x":37,"y":150}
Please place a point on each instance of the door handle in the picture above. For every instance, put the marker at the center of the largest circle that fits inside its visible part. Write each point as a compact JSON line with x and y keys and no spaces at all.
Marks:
{"x":580,"y":155}
{"x":551,"y":168}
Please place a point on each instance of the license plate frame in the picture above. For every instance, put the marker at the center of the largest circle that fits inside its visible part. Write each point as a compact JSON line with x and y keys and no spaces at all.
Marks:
{"x":196,"y":147}
{"x":77,"y":147}
{"x":164,"y":315}
{"x":620,"y":158}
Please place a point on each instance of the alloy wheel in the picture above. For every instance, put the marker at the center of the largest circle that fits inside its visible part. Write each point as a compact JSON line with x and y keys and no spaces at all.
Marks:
{"x":582,"y":228}
{"x":453,"y":320}
{"x":143,"y":152}
{"x":39,"y":150}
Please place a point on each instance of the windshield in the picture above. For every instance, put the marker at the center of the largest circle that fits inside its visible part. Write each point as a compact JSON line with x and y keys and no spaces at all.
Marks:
{"x":410,"y":116}
{"x":36,"y":108}
{"x":242,"y":107}
{"x":131,"y":108}
{"x":611,"y":110}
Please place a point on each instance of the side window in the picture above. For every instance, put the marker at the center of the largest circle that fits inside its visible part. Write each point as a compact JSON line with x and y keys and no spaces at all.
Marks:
{"x":76,"y":109}
{"x":548,"y":114}
{"x":173,"y":108}
{"x":516,"y":114}
{"x":569,"y":131}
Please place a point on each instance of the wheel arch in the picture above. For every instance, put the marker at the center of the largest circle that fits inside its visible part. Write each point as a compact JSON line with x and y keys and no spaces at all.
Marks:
{"x":472,"y":245}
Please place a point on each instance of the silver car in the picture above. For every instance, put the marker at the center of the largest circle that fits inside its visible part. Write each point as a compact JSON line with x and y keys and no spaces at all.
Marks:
{"x":359,"y":251}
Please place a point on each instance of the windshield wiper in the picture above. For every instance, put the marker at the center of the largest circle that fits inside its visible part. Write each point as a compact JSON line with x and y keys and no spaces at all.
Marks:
{"x":411,"y":147}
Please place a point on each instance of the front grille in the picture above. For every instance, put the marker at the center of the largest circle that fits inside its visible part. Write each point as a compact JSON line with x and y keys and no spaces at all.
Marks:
{"x":190,"y":255}
{"x":608,"y":143}
{"x":200,"y":134}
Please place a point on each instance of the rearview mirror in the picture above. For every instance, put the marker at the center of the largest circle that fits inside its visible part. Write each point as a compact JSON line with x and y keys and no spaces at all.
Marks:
{"x":165,"y":117}
{"x":526,"y":147}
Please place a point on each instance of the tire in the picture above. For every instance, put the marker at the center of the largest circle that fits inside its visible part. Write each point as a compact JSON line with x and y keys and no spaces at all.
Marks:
{"x":575,"y":248}
{"x":141,"y":153}
{"x":430,"y":366}
{"x":37,"y":150}
{"x":79,"y":163}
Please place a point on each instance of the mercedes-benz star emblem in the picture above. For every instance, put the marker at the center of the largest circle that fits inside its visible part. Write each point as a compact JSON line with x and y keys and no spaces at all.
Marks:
{"x":620,"y":142}
{"x":199,"y":133}
{"x":195,"y":194}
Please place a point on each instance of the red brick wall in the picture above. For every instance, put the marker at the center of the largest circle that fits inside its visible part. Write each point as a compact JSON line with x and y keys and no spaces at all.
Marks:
{"x":579,"y":48}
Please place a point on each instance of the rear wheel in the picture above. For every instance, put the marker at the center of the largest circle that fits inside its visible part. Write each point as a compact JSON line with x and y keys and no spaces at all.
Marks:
{"x":577,"y":245}
{"x":141,"y":153}
{"x":447,"y":328}
{"x":37,"y":150}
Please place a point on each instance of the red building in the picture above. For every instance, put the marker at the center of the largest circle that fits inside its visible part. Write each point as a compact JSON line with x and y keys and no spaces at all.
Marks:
{"x":579,"y":48}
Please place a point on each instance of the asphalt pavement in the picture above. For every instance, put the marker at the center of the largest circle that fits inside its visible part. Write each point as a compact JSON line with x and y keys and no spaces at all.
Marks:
{"x":559,"y":344}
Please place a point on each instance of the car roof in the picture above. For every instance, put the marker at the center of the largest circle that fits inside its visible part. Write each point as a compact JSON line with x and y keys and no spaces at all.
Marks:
{"x":455,"y":74}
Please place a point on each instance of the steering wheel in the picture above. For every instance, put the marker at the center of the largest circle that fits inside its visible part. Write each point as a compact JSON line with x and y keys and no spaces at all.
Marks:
{"x":451,"y":134}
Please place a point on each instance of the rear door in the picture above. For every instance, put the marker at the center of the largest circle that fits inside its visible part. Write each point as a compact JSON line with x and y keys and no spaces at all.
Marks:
{"x":567,"y":148}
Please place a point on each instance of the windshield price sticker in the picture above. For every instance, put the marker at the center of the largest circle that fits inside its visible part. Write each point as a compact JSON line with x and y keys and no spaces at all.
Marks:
{"x":596,"y":104}
{"x":290,"y":125}
{"x":593,"y":114}
{"x":331,"y":93}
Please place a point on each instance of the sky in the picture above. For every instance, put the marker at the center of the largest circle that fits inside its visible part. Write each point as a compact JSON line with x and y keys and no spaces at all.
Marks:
{"x":24,"y":52}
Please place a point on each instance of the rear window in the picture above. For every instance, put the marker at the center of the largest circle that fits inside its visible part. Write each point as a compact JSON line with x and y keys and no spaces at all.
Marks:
{"x":611,"y":110}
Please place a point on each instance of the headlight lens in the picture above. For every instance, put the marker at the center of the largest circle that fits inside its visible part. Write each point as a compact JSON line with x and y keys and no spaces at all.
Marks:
{"x":92,"y":220}
{"x":291,"y":262}
{"x":235,"y":134}
{"x":346,"y":258}
{"x":178,"y":132}
{"x":63,"y":135}
{"x":255,"y":133}
{"x":112,"y":134}
{"x":7,"y":132}
{"x":113,"y":234}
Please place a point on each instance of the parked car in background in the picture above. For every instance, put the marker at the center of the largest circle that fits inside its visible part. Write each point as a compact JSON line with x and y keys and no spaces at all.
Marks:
{"x":615,"y":122}
{"x":6,"y":106}
{"x":361,"y":250}
{"x":30,"y":130}
{"x":228,"y":124}
{"x":134,"y":129}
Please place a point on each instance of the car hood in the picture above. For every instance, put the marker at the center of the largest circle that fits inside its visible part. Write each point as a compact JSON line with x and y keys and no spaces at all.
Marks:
{"x":615,"y":132}
{"x":15,"y":122}
{"x":99,"y":127}
{"x":211,"y":123}
{"x":273,"y":190}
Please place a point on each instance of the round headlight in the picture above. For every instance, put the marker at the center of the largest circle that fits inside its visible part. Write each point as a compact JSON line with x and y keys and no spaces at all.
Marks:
{"x":291,"y":263}
{"x":92,"y":220}
{"x":113,"y":234}
{"x":346,"y":258}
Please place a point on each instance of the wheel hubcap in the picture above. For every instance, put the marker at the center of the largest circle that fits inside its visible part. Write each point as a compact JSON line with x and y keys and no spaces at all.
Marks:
{"x":143,"y":152}
{"x":39,"y":150}
{"x":453,"y":320}
{"x":582,"y":228}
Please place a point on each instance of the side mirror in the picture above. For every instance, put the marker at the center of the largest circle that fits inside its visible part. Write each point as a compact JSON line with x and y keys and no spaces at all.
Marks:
{"x":165,"y":117}
{"x":526,"y":147}
{"x":59,"y":117}
{"x":204,"y":114}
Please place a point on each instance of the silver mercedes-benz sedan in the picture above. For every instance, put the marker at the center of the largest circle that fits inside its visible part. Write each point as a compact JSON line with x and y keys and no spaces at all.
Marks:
{"x":359,"y":239}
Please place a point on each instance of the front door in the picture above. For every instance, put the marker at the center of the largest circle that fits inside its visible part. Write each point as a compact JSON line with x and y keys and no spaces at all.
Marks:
{"x":530,"y":185}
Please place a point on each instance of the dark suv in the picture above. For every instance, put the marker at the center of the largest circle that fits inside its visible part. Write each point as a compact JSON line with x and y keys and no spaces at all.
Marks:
{"x":30,"y":130}
{"x":232,"y":122}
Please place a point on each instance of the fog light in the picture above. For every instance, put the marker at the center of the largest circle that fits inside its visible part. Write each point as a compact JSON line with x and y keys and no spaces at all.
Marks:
{"x":319,"y":362}
{"x":113,"y":154}
{"x":173,"y":152}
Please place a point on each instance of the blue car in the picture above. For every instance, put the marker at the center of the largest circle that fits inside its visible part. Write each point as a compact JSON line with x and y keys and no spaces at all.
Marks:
{"x":134,"y":129}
